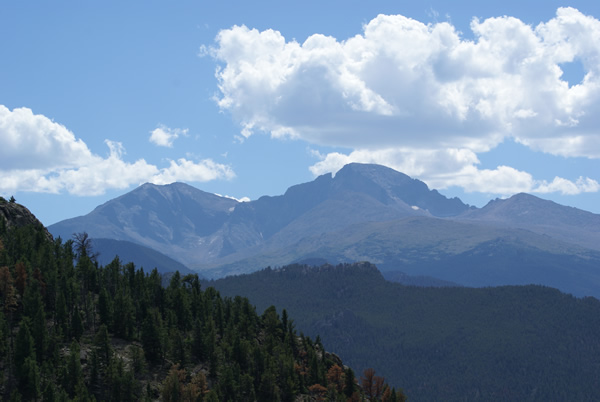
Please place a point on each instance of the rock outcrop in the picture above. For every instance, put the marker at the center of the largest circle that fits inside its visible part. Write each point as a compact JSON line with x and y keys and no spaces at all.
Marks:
{"x":16,"y":215}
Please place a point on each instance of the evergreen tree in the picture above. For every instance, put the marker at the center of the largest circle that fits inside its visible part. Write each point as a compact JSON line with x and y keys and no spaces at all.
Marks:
{"x":29,"y":379}
{"x":73,"y":373}
{"x":105,"y":308}
{"x":152,"y":337}
{"x":76,"y":324}
{"x":24,"y":348}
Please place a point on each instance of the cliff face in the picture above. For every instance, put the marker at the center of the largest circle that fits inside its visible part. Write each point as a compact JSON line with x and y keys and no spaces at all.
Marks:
{"x":16,"y":215}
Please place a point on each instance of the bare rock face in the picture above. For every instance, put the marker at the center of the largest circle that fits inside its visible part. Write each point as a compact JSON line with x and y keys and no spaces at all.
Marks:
{"x":16,"y":215}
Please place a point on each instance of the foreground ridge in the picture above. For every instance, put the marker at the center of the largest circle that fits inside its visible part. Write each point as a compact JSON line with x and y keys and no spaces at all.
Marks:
{"x":82,"y":331}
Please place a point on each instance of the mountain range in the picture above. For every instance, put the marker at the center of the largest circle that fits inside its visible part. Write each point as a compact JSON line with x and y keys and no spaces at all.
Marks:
{"x":364,"y":212}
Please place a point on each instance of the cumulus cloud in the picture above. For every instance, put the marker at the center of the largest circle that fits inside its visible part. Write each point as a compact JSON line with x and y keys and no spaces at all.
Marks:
{"x":33,"y":141}
{"x":402,"y":91}
{"x":444,"y":168}
{"x":40,"y":155}
{"x":405,"y":82}
{"x":164,"y":136}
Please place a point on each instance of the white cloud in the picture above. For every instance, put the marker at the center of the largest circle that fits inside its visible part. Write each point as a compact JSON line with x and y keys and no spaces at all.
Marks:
{"x":33,"y":141}
{"x":419,"y":97}
{"x":186,"y":170}
{"x":582,"y":185}
{"x":443,"y":168}
{"x":243,"y":199}
{"x":402,"y":82}
{"x":164,"y":136}
{"x":40,"y":155}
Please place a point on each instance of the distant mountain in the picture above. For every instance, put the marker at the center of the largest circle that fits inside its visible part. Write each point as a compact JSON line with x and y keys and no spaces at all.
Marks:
{"x":418,"y":280}
{"x":172,"y":219}
{"x":363,"y":213}
{"x":142,"y":257}
{"x":511,"y":343}
{"x":465,"y":253}
{"x":541,"y":216}
{"x":199,"y":228}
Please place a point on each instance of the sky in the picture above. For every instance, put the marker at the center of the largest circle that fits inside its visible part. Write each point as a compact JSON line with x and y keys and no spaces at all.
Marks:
{"x":478,"y":99}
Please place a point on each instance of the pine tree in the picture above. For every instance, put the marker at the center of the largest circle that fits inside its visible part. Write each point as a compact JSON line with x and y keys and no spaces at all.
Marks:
{"x":76,"y":324}
{"x":24,"y":348}
{"x":74,"y":374}
{"x":152,"y":337}
{"x":29,"y":379}
{"x":105,"y":307}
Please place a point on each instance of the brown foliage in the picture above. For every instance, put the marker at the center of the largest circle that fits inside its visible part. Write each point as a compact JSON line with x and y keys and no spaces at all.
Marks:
{"x":367,"y":382}
{"x":318,"y":391}
{"x":174,"y":387}
{"x":372,"y":385}
{"x":335,"y":377}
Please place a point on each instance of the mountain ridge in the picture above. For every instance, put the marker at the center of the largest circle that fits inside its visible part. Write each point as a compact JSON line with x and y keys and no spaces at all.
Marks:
{"x":447,"y":343}
{"x":358,"y":214}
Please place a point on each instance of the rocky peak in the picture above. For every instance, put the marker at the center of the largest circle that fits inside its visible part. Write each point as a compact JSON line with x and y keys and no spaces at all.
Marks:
{"x":16,"y":215}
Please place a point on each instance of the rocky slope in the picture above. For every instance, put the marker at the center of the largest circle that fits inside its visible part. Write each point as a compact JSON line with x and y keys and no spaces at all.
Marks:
{"x":16,"y":215}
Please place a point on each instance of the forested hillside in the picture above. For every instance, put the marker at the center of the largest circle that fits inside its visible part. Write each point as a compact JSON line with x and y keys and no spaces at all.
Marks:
{"x":447,"y":343}
{"x":73,"y":330}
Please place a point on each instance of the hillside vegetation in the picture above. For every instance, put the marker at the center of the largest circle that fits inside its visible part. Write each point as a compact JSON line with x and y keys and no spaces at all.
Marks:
{"x":449,"y":343}
{"x":73,"y":330}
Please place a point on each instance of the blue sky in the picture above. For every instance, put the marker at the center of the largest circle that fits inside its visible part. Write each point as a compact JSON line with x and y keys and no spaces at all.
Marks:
{"x":478,"y":99}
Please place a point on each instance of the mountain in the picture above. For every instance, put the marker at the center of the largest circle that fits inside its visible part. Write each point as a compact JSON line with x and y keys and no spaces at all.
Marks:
{"x":446,"y":343}
{"x":143,"y":257}
{"x":545,"y":217}
{"x":200,"y":229}
{"x":364,"y":212}
{"x":462,"y":252}
{"x":171,"y":219}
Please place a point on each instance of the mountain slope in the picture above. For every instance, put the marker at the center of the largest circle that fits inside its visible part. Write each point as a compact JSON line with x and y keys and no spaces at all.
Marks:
{"x":507,"y":343}
{"x":142,"y":257}
{"x":74,"y":331}
{"x":198,"y":228}
{"x":541,"y":216}
{"x":463,"y":252}
{"x":364,"y":212}
{"x":171,"y":219}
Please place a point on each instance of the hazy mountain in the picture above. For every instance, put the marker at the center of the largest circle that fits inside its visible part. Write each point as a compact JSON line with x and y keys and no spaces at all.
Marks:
{"x":171,"y":219}
{"x":198,"y":228}
{"x":466,"y":253}
{"x":541,"y":216}
{"x":364,"y":212}
{"x":143,"y":257}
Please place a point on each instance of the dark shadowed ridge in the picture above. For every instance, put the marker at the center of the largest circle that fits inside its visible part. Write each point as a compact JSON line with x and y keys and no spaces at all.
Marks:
{"x":447,"y":343}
